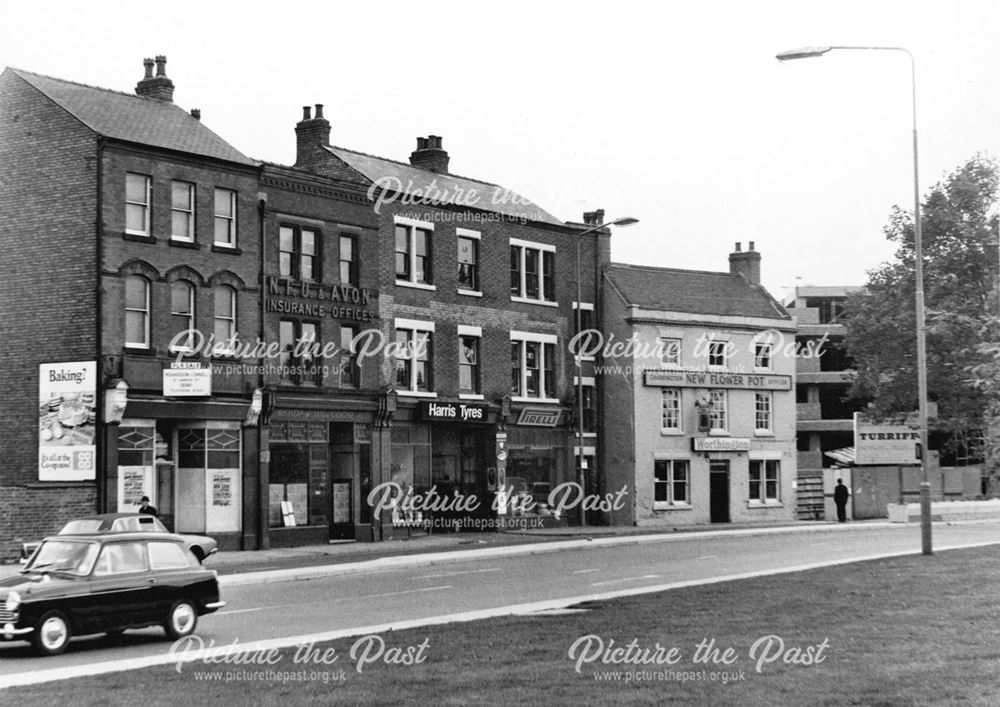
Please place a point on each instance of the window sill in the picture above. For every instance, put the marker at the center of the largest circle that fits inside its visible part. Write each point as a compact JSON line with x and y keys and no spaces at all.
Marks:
{"x":671,"y":433}
{"x":526,"y":300}
{"x":178,"y":243}
{"x":762,"y":433}
{"x":139,"y":350}
{"x":765,"y":504}
{"x":471,"y":396}
{"x":415,"y":394}
{"x":667,"y":507}
{"x":718,"y":433}
{"x":518,"y":399}
{"x":416,"y":285}
{"x":221,"y":248}
{"x":470,"y":293}
{"x":138,"y":237}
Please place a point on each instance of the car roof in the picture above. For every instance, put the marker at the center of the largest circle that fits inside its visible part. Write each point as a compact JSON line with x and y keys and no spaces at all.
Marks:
{"x":112,"y":516}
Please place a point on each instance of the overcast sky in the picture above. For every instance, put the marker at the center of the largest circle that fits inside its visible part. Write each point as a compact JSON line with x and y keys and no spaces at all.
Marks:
{"x":677,"y":114}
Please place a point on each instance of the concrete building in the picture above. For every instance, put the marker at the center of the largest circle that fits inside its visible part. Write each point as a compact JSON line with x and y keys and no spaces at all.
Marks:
{"x":699,"y":423}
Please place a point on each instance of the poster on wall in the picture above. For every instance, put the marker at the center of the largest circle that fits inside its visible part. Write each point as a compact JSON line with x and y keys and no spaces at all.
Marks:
{"x":885,"y":443}
{"x":222,"y":490}
{"x":133,"y":487}
{"x":67,"y":401}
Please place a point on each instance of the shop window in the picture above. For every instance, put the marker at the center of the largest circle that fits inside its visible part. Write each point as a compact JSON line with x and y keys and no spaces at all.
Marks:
{"x":138,"y":188}
{"x":298,"y":254}
{"x":414,"y":356}
{"x":670,"y":483}
{"x":225,"y":218}
{"x":182,"y":315}
{"x":208,"y":478}
{"x":224,"y":319}
{"x":764,"y":480}
{"x":468,"y":364}
{"x":532,"y":271}
{"x":182,"y":211}
{"x":413,"y":254}
{"x":136,"y":311}
{"x":348,"y":260}
{"x":533,"y":366}
{"x":468,"y":261}
{"x":298,"y":477}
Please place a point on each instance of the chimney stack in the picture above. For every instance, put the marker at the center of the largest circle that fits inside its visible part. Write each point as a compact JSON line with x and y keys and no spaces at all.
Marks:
{"x":593,"y":218}
{"x":157,"y":87}
{"x":745,"y":263}
{"x":312,"y":134}
{"x":430,"y":155}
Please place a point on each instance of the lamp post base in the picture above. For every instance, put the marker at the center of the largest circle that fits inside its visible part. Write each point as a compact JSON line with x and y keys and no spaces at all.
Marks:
{"x":925,"y":517}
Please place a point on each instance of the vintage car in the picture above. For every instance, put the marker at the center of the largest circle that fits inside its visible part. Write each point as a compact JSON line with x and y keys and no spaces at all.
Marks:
{"x":201,"y":545}
{"x":76,"y":585}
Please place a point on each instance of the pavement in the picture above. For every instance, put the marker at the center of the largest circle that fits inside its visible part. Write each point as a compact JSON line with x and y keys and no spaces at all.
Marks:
{"x":339,"y":557}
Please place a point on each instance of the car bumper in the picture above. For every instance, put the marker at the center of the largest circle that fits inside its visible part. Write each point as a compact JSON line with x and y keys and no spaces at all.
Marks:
{"x":214,"y":606}
{"x":9,"y":632}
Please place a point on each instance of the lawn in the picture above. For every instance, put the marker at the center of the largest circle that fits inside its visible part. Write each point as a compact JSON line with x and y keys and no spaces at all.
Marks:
{"x":904,"y":631}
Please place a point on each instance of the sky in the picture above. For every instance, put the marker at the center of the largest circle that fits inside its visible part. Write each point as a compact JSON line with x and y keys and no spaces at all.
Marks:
{"x":676,"y":113}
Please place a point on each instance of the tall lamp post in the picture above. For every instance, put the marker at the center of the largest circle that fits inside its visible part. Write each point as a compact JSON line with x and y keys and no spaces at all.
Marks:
{"x":925,"y":485}
{"x":580,"y":470}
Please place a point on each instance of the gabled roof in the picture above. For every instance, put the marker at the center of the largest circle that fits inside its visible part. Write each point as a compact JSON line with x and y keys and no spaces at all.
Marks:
{"x":131,"y":118}
{"x":432,"y":188}
{"x":693,"y":292}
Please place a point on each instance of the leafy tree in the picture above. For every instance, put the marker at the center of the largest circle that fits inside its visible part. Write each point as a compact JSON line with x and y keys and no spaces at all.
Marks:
{"x":960,"y":270}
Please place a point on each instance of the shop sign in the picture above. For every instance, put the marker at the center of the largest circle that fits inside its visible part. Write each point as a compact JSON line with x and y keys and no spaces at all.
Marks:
{"x":720,"y":444}
{"x":453,"y":412}
{"x":67,"y":394}
{"x":679,"y":378}
{"x":187,"y":379}
{"x":884,"y":443}
{"x":318,"y":300}
{"x":539,"y":417}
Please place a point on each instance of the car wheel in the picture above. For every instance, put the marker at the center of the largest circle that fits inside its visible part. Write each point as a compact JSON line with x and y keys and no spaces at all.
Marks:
{"x":52,"y":634}
{"x":181,"y":620}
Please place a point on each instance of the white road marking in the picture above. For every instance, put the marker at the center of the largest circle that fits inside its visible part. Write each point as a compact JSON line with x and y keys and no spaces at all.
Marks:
{"x":212,"y":655}
{"x":707,"y":557}
{"x":452,"y":574}
{"x":626,"y":579}
{"x":405,"y":591}
{"x":585,"y":571}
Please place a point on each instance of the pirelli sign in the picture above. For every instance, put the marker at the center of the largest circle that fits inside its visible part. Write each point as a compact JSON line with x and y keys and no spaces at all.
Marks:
{"x":539,"y":417}
{"x":668,"y":378}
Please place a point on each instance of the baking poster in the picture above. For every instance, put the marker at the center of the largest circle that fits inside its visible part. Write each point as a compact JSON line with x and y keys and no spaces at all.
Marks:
{"x":67,"y":416}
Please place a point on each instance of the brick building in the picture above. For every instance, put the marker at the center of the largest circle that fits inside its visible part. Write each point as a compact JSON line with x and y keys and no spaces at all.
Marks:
{"x":127,"y":222}
{"x":699,"y":412}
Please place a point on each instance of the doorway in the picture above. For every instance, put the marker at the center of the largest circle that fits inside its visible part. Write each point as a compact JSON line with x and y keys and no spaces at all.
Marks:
{"x":718,"y":489}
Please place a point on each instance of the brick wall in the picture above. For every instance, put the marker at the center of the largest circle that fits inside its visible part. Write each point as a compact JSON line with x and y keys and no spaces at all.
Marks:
{"x":47,"y":289}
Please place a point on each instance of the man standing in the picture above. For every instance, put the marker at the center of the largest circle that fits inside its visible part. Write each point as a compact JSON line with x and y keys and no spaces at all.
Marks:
{"x":840,"y":496}
{"x":146,"y":508}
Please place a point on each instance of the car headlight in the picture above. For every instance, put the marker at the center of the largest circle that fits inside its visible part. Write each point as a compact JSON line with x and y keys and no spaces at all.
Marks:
{"x":13,"y":601}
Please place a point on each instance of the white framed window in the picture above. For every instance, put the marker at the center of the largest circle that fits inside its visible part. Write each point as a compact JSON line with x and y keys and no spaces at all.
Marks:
{"x":224,"y":318}
{"x":763,"y":403}
{"x":182,"y":211}
{"x":763,"y":353}
{"x":765,"y":480}
{"x":717,"y":412}
{"x":671,"y":351}
{"x":225,"y":217}
{"x":532,"y":272}
{"x":468,"y":261}
{"x":414,"y":357}
{"x":137,"y":311}
{"x":414,"y":253}
{"x":469,"y":376}
{"x":298,"y":253}
{"x":138,"y":189}
{"x":182,"y":315}
{"x":671,"y":483}
{"x":671,"y":410}
{"x":533,"y":366}
{"x":717,"y":353}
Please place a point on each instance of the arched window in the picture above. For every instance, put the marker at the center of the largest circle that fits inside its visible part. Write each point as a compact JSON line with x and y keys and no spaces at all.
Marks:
{"x":182,"y":315}
{"x":137,"y":311}
{"x":225,"y":317}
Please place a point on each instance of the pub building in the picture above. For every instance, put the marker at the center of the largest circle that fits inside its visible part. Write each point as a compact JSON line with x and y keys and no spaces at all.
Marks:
{"x":699,"y":422}
{"x":460,"y":382}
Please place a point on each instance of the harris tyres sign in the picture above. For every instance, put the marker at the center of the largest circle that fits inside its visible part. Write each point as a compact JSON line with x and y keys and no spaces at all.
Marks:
{"x":884,"y":442}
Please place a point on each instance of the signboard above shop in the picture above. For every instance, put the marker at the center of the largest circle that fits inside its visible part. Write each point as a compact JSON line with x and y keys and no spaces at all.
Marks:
{"x":453,"y":412}
{"x":187,"y":379}
{"x":885,"y":442}
{"x":539,"y":417}
{"x":720,"y":444}
{"x":679,"y":378}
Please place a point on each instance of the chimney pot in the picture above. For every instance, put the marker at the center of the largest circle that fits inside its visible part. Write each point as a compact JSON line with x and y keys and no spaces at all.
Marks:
{"x":421,"y":143}
{"x":430,"y":155}
{"x":739,"y":246}
{"x":196,"y":113}
{"x":161,"y":65}
{"x":306,"y":112}
{"x":148,"y":63}
{"x":750,"y":245}
{"x":158,"y":87}
{"x":319,"y":111}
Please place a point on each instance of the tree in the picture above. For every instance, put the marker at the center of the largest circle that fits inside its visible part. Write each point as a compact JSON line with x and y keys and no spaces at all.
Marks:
{"x":960,"y":270}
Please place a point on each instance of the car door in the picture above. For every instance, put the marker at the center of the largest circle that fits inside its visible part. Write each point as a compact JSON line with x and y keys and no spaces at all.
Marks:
{"x":120,"y":586}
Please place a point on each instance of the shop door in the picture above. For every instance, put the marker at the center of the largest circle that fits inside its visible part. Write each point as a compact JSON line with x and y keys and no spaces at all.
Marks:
{"x":342,"y":495}
{"x":718,"y":490}
{"x":208,"y":489}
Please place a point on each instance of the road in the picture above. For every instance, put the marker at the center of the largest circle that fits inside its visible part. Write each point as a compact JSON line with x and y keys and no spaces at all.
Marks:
{"x":358,"y":601}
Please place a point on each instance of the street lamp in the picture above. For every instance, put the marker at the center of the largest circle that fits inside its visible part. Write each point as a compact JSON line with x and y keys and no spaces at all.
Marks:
{"x":925,"y":485}
{"x":580,"y":471}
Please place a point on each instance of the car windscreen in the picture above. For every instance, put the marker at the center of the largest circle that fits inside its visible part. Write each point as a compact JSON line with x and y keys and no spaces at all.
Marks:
{"x":81,"y":527}
{"x":67,"y":556}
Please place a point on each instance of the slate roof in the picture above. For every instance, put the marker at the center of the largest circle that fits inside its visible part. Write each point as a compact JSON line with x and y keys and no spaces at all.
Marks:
{"x":448,"y":189}
{"x":132,"y":118}
{"x":693,"y":292}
